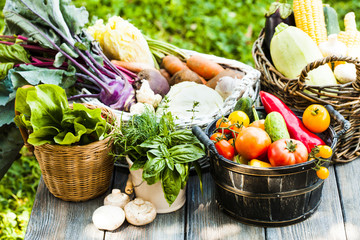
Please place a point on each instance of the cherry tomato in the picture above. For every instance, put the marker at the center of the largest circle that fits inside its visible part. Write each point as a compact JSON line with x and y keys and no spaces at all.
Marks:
{"x":258,"y":163}
{"x":232,"y":142}
{"x":237,"y":128}
{"x":223,"y":123}
{"x":324,"y":151}
{"x":258,"y":124}
{"x":252,"y":142}
{"x":225,"y":149}
{"x":323,"y":173}
{"x":287,"y":152}
{"x":316,"y":118}
{"x":239,"y":117}
{"x":217,"y":136}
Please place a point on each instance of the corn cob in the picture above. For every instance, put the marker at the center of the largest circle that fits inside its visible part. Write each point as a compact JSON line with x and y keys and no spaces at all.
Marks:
{"x":309,"y":17}
{"x":351,"y":36}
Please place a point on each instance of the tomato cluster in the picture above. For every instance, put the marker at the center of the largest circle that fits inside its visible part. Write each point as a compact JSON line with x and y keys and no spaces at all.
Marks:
{"x":245,"y":142}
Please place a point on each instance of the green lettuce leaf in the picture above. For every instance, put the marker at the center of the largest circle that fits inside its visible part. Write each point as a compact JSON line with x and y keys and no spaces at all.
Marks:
{"x":47,"y":103}
{"x":13,"y":53}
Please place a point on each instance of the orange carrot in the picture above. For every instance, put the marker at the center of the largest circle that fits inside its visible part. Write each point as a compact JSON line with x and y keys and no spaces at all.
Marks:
{"x":172,"y":64}
{"x":132,"y":66}
{"x":204,"y":67}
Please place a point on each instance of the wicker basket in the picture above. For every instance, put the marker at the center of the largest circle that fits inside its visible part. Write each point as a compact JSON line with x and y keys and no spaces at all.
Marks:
{"x":249,"y":86}
{"x":76,"y":173}
{"x":345,"y":98}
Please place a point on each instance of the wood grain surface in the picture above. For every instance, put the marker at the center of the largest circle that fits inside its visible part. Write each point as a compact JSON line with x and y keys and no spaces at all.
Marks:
{"x":336,"y":218}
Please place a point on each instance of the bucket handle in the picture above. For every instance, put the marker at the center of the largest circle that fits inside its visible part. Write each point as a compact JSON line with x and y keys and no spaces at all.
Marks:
{"x":203,"y":138}
{"x":345,"y":124}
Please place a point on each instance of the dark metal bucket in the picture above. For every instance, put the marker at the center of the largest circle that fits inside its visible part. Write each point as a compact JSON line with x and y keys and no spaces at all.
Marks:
{"x":273,"y":197}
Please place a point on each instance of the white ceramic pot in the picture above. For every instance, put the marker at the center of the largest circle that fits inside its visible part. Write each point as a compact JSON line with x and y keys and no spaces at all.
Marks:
{"x":154,"y":193}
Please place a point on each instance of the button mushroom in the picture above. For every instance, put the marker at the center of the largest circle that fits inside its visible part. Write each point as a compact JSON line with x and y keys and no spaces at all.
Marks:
{"x":139,"y":212}
{"x":108,"y":217}
{"x":116,"y":198}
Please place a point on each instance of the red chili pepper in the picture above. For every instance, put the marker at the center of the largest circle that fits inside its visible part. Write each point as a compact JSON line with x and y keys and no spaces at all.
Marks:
{"x":296,"y":128}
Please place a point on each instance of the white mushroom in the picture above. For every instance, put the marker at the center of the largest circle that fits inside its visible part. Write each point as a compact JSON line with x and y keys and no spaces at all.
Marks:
{"x":117,"y":198}
{"x":108,"y":217}
{"x":139,"y":212}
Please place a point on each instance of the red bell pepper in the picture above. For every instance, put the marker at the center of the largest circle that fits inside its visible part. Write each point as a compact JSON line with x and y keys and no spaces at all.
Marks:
{"x":296,"y":128}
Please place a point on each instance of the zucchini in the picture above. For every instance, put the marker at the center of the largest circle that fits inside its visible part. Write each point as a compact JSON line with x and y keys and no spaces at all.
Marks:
{"x":245,"y":104}
{"x":331,"y":20}
{"x":292,"y":49}
{"x":275,"y":126}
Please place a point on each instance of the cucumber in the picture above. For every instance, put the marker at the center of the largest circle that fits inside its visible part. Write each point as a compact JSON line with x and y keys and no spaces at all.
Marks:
{"x":245,"y":104}
{"x":275,"y":126}
{"x":331,"y":20}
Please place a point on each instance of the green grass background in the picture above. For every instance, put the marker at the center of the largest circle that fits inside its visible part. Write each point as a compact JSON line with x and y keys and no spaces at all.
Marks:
{"x":224,"y":28}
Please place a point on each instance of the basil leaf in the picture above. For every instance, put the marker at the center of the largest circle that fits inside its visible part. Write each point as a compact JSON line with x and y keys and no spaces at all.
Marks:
{"x":183,"y":170}
{"x":153,"y":167}
{"x":171,"y":184}
{"x":152,"y":142}
{"x":138,"y":164}
{"x":183,"y":136}
{"x":170,"y":163}
{"x":153,"y":153}
{"x":186,"y":153}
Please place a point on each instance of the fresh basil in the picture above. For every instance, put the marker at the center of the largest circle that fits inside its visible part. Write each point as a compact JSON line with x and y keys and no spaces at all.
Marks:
{"x":171,"y":184}
{"x":164,"y":152}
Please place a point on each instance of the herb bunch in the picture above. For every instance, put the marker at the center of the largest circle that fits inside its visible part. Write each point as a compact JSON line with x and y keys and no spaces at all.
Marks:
{"x":161,"y":149}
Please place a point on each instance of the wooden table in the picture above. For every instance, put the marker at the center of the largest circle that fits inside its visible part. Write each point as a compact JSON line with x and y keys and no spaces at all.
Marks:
{"x":337,"y":217}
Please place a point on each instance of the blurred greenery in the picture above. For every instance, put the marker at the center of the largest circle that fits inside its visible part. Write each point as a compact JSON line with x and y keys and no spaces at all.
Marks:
{"x":224,"y":28}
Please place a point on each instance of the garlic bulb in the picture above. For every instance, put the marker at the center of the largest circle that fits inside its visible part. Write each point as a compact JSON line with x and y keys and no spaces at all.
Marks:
{"x":333,"y":47}
{"x":345,"y":73}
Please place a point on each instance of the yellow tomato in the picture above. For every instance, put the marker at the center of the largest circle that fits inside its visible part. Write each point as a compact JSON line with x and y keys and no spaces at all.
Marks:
{"x":239,"y":117}
{"x":258,"y":163}
{"x":322,"y":173}
{"x":324,"y":151}
{"x":316,"y":118}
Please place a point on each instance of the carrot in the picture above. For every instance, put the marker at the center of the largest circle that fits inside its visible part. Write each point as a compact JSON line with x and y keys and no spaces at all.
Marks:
{"x":204,"y":67}
{"x":172,"y":64}
{"x":132,"y":66}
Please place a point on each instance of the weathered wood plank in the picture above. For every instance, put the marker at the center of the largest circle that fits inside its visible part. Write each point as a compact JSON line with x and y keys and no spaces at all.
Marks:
{"x":325,"y":223}
{"x":207,"y":221}
{"x":165,"y":226}
{"x":53,"y":218}
{"x":348,"y":176}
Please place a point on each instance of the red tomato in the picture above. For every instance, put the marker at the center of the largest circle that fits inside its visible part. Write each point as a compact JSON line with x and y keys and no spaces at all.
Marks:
{"x":252,"y":142}
{"x":225,"y":149}
{"x":223,"y":123}
{"x":217,"y":136}
{"x":287,"y":152}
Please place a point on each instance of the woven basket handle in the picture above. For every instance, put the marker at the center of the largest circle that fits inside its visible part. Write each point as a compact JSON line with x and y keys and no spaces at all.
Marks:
{"x":323,"y":61}
{"x":23,"y":131}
